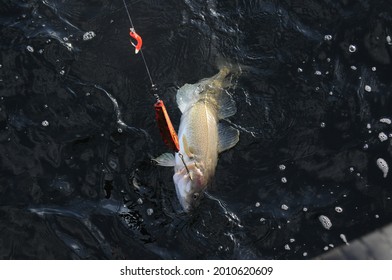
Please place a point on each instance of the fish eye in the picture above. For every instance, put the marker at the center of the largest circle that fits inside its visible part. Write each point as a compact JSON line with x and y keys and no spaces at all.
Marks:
{"x":196,"y":196}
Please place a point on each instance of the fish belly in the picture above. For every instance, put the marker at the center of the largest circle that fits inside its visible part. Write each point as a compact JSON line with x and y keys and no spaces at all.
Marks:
{"x":199,"y":125}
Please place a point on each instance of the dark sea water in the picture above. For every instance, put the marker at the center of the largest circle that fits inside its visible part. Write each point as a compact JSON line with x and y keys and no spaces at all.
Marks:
{"x":77,"y":127}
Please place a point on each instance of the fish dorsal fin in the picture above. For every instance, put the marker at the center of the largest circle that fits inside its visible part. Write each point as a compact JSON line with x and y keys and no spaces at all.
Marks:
{"x":187,"y":149}
{"x":228,"y":137}
{"x":166,"y":159}
{"x":188,"y":95}
{"x":226,"y":105}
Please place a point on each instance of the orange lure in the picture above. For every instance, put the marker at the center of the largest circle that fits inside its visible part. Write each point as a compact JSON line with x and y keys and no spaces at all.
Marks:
{"x":139,"y":41}
{"x":166,"y":128}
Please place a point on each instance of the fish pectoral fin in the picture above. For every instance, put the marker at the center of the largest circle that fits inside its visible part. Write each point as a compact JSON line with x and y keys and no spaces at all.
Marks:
{"x":228,"y":137}
{"x":166,"y":159}
{"x":188,"y":95}
{"x":187,"y":149}
{"x":226,"y":105}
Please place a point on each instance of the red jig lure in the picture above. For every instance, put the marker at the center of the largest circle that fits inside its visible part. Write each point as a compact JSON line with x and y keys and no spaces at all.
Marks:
{"x":139,"y":41}
{"x":165,"y":125}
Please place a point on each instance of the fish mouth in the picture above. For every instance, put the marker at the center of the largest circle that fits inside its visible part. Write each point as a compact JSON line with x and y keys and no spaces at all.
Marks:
{"x":188,"y":191}
{"x":182,"y":183}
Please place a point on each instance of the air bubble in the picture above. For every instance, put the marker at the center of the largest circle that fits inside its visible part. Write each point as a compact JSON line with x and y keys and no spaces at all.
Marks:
{"x":383,"y":165}
{"x":325,"y":222}
{"x":88,"y":35}
{"x":257,"y":204}
{"x":389,"y":40}
{"x":386,"y":120}
{"x":374,"y":69}
{"x":352,"y":48}
{"x":382,"y":136}
{"x":368,"y":88}
{"x":282,"y":167}
{"x":366,"y":146}
{"x":339,"y":209}
{"x":305,"y":209}
{"x":112,"y":164}
{"x":343,"y":237}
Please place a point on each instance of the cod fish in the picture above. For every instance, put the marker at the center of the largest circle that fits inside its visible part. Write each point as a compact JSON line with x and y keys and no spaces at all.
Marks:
{"x":201,"y":136}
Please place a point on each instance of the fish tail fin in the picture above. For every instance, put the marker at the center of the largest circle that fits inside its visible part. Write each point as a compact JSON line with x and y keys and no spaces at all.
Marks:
{"x":227,"y":67}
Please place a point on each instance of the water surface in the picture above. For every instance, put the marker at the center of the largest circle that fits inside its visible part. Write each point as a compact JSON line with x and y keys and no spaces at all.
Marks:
{"x":77,"y":128}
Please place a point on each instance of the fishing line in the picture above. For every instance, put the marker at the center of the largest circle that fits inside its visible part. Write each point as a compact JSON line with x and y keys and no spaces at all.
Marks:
{"x":166,"y":128}
{"x":153,"y":86}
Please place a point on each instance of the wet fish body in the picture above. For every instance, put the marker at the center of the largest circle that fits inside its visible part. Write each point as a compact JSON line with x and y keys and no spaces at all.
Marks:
{"x":202,"y":136}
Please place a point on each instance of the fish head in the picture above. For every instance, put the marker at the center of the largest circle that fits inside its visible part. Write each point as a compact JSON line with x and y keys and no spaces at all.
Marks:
{"x":189,"y":187}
